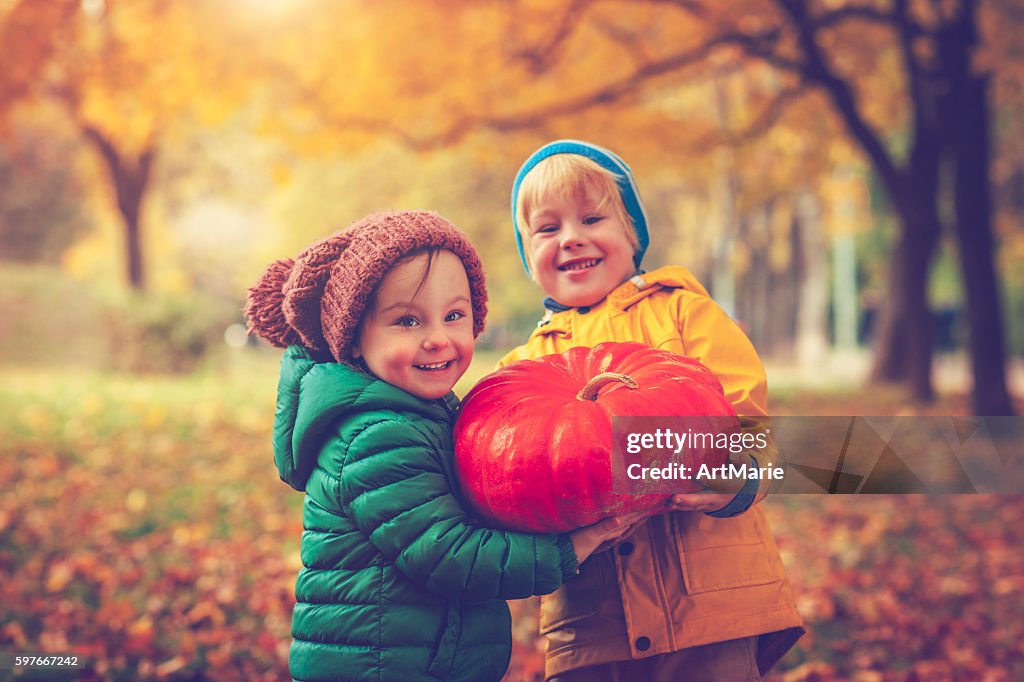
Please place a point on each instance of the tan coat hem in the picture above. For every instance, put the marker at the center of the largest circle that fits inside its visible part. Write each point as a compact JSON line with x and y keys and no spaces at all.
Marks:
{"x":784,"y":623}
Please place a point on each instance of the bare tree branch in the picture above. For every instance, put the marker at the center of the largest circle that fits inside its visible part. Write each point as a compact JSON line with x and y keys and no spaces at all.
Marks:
{"x":105,"y":147}
{"x":838,"y":90}
{"x":129,"y":180}
{"x":924,"y":111}
{"x":628,"y":39}
{"x":694,"y":7}
{"x":765,"y":119}
{"x":866,"y":13}
{"x":607,"y":94}
{"x":765,"y":49}
{"x":541,"y":58}
{"x":811,"y":66}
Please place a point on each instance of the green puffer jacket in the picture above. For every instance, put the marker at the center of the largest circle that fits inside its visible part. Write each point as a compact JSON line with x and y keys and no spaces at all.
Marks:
{"x":398,"y":584}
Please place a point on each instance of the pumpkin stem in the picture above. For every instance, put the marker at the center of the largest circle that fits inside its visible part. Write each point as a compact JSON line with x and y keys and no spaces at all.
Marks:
{"x":590,"y":391}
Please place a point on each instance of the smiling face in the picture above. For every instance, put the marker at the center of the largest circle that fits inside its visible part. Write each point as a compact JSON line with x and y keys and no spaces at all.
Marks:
{"x":578,"y":246}
{"x":418,"y":335}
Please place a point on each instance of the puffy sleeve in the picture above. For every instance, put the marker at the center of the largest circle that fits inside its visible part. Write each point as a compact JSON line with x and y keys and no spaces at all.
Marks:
{"x":395,"y":488}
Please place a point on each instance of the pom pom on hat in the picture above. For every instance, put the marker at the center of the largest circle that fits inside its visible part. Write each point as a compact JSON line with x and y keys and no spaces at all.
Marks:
{"x":264,"y":307}
{"x":304,"y":291}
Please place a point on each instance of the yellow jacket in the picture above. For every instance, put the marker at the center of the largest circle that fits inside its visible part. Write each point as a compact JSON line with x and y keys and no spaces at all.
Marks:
{"x":684,"y":578}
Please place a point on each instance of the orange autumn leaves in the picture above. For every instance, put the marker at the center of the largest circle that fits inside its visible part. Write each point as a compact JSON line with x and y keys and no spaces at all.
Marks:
{"x":910,"y":588}
{"x":152,"y":548}
{"x":143,"y":528}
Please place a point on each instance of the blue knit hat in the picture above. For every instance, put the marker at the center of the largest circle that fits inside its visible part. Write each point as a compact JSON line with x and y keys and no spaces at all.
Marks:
{"x":607,"y":160}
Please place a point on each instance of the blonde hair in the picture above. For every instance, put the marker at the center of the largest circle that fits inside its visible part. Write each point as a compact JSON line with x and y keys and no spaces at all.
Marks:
{"x":568,"y":176}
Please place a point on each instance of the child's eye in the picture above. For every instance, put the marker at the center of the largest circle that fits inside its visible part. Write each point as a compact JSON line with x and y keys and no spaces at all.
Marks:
{"x":454,"y":316}
{"x":547,"y":229}
{"x":592,"y":219}
{"x":407,"y":321}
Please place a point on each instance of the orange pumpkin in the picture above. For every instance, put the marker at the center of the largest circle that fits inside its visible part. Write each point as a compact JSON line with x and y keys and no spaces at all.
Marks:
{"x":533,"y":440}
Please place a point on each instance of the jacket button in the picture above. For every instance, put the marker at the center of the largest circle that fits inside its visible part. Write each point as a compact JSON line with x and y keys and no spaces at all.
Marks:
{"x":643,"y":643}
{"x":626,"y":548}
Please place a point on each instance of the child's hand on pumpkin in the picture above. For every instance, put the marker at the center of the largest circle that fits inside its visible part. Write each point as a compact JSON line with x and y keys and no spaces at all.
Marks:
{"x":705,"y":500}
{"x":638,"y":520}
{"x":586,"y":540}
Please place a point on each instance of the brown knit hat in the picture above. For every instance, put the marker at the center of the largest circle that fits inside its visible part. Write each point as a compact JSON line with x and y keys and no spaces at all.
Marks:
{"x":318,"y":300}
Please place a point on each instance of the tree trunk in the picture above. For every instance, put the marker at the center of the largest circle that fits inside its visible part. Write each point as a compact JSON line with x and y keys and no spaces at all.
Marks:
{"x":967,"y":124}
{"x":129,"y":201}
{"x":903,"y":346}
{"x":812,"y":313}
{"x":889,"y":347}
{"x":913,"y":187}
{"x":921,"y":239}
{"x":130,"y":183}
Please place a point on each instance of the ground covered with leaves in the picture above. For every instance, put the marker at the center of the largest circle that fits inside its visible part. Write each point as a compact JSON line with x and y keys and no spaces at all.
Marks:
{"x":143,"y":528}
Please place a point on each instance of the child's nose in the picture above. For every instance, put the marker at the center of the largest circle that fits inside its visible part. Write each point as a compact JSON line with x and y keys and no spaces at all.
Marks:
{"x":572,"y":234}
{"x":436,"y":339}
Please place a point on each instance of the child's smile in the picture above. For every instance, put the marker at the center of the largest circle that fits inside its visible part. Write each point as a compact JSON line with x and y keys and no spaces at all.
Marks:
{"x":579,"y":264}
{"x":436,"y":366}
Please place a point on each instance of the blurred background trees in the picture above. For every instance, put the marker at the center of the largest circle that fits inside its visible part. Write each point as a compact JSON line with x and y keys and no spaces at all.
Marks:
{"x":846,"y":176}
{"x":841,"y":174}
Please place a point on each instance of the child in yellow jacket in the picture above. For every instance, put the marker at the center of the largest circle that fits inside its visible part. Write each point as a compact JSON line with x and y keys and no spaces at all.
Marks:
{"x":698,"y":593}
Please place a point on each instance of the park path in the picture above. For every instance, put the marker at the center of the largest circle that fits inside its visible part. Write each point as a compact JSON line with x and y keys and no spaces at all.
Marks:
{"x":849,"y":369}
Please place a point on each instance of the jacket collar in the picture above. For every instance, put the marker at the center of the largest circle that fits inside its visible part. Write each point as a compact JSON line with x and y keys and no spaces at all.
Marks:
{"x":626,"y":295}
{"x":312,"y":395}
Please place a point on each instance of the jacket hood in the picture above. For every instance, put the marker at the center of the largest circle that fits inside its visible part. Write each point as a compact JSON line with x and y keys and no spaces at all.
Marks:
{"x":642,"y":285}
{"x":312,"y":396}
{"x":608,"y":160}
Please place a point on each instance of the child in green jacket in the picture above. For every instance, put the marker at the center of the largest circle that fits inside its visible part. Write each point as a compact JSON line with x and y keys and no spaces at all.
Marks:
{"x":398,"y":582}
